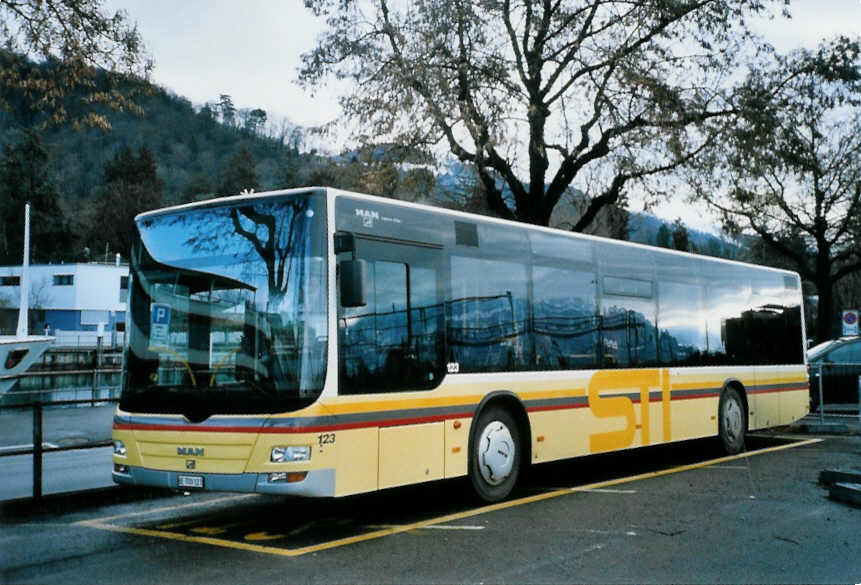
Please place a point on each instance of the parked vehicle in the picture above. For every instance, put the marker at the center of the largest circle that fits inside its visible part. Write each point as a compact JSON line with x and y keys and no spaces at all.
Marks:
{"x":839,"y":361}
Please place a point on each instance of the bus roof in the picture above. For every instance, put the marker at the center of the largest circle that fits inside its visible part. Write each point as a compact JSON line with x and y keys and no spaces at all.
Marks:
{"x":335,"y":192}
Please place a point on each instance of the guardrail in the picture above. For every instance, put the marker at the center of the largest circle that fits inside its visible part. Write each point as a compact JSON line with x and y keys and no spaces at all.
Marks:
{"x":62,"y":386}
{"x":112,"y":340}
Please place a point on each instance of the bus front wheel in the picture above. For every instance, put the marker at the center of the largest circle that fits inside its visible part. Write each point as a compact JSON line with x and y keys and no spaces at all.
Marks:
{"x":732,"y":421}
{"x":495,"y":453}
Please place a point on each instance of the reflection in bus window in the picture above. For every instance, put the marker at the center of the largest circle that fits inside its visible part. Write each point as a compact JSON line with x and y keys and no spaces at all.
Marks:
{"x":371,"y":336}
{"x":488,"y":315}
{"x":766,"y":331}
{"x":628,"y":333}
{"x":228,"y":309}
{"x":565,"y":319}
{"x":394,"y":342}
{"x":682,"y":324}
{"x":723,"y":304}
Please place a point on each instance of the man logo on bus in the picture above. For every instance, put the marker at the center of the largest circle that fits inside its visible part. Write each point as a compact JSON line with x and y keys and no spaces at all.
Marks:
{"x":190,"y":451}
{"x":368,"y":217}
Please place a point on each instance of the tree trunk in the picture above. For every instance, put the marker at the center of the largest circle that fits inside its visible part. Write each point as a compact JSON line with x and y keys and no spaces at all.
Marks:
{"x":825,"y":310}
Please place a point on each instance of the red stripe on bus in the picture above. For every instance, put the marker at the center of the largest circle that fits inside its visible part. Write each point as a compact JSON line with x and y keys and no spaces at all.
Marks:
{"x":291,"y":430}
{"x":781,"y":389}
{"x":214,"y":429}
{"x":692,"y":396}
{"x":556,"y":407}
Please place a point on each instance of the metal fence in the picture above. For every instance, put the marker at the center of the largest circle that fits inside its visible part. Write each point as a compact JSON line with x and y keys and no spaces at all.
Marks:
{"x":835,"y":380}
{"x":68,"y":386}
{"x":39,"y":449}
{"x":88,"y":339}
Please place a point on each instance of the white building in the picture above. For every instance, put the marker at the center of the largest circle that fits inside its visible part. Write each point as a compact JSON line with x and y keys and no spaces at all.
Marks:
{"x":68,"y":299}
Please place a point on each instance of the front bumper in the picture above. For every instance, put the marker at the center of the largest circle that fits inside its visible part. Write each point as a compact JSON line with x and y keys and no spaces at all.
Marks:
{"x":317,"y":484}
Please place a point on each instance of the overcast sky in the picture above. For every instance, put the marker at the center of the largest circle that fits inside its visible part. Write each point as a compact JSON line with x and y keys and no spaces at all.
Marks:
{"x":250,"y":49}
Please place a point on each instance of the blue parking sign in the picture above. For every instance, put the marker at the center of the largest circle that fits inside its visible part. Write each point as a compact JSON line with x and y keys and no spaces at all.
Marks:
{"x":160,"y":314}
{"x":159,"y":325}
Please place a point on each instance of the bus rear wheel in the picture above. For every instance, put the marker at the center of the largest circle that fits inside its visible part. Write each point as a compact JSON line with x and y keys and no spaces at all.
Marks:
{"x":494,"y":461}
{"x":732,"y":421}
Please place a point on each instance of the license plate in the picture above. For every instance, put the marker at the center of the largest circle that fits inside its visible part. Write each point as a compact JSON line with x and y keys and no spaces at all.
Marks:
{"x":191,"y":481}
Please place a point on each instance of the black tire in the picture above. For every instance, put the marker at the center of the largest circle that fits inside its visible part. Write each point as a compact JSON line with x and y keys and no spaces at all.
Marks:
{"x":494,"y":454}
{"x":732,"y":421}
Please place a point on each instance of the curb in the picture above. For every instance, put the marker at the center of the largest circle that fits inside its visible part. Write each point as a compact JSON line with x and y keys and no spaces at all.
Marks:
{"x":843,"y":486}
{"x":848,"y":493}
{"x":829,"y":477}
{"x":822,"y":428}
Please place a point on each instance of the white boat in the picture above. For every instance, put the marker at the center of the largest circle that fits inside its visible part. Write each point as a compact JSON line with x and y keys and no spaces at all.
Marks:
{"x":17,"y":354}
{"x":20,"y":351}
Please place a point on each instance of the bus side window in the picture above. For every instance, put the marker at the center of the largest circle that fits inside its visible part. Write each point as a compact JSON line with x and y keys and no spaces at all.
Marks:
{"x":726,"y":304}
{"x":488,"y":315}
{"x":565,"y":318}
{"x":394,"y":342}
{"x":682,"y":324}
{"x":368,"y":334}
{"x":628,"y":323}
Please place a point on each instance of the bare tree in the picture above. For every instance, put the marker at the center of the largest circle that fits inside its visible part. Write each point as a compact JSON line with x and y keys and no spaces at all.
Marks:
{"x":76,"y":39}
{"x":611,"y":221}
{"x":545,"y":90}
{"x":790,"y":171}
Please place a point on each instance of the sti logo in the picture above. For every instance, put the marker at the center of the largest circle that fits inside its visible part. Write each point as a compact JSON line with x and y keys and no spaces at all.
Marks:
{"x":368,"y":217}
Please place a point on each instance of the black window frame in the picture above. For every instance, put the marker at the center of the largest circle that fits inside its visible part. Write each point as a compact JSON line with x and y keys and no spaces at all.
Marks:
{"x":383,"y":367}
{"x":63,"y":280}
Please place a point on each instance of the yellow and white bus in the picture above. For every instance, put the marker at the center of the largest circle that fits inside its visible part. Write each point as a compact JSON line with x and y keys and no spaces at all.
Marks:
{"x":318,"y":342}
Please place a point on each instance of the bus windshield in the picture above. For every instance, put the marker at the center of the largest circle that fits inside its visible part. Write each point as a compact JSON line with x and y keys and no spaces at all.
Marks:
{"x":228,"y":309}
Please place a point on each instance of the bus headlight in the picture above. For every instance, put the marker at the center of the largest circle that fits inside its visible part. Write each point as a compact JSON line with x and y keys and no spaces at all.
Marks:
{"x":291,"y":453}
{"x":119,"y":448}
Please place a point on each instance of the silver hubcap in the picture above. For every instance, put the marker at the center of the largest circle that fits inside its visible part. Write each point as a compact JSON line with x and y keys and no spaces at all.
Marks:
{"x":495,"y":453}
{"x":732,"y":419}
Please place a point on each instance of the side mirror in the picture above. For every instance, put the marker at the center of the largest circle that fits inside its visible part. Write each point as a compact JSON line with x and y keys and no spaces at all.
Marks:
{"x":352,"y":275}
{"x":345,"y":242}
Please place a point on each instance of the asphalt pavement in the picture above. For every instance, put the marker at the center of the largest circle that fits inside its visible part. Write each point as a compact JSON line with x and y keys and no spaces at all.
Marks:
{"x":669,"y":514}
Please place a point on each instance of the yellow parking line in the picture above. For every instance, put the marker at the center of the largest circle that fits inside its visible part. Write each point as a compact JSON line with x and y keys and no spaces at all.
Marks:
{"x":102,"y":524}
